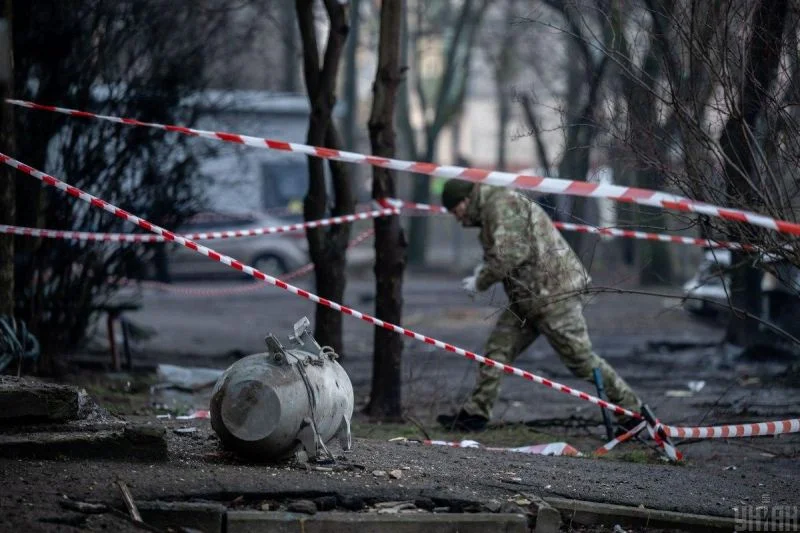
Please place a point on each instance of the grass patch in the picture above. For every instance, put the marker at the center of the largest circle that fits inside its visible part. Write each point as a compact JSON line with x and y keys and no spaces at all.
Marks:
{"x":641,"y":456}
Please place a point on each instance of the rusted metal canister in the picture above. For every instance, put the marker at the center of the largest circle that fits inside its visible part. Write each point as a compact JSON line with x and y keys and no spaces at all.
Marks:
{"x":288,"y":401}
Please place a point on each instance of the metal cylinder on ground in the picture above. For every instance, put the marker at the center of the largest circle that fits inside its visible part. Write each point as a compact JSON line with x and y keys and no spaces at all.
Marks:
{"x":288,"y":401}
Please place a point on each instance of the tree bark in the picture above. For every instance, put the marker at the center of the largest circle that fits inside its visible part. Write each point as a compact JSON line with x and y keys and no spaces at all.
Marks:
{"x":290,"y":78}
{"x":581,"y":130}
{"x":327,"y":247}
{"x":8,"y":180}
{"x":761,"y":65}
{"x":390,"y":244}
{"x":351,"y":77}
{"x":547,"y":201}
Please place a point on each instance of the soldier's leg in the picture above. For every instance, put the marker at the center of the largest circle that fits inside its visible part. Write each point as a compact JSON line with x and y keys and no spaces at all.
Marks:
{"x":510,"y":336}
{"x":565,"y":328}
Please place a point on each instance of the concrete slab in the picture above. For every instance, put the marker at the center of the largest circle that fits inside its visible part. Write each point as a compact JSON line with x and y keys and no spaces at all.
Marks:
{"x":172,"y":516}
{"x":332,"y":522}
{"x":131,"y":442}
{"x":25,"y":400}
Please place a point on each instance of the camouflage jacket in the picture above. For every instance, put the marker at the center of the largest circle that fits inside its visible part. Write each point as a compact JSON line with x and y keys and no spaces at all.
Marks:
{"x":523,"y":249}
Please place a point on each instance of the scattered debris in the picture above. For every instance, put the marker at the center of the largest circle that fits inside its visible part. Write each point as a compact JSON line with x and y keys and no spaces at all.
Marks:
{"x":302,"y":506}
{"x":127,"y":497}
{"x":553,"y":448}
{"x":749,"y":380}
{"x":520,"y":499}
{"x":396,"y":474}
{"x":379,"y":473}
{"x":197,"y":413}
{"x":83,"y":507}
{"x":731,"y":467}
{"x":678,"y":393}
{"x":185,"y":431}
{"x":696,"y":386}
{"x":391,"y":504}
{"x":191,"y":379}
{"x":403,"y":506}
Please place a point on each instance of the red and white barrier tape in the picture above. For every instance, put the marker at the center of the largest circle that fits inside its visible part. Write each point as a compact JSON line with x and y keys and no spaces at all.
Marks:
{"x":131,"y":237}
{"x":233,"y":263}
{"x":228,"y":291}
{"x":661,"y":439}
{"x":552,"y":448}
{"x":498,"y":178}
{"x":79,"y":235}
{"x":676,"y":239}
{"x":755,"y":429}
{"x":332,"y":221}
{"x":610,"y":232}
{"x":607,"y":447}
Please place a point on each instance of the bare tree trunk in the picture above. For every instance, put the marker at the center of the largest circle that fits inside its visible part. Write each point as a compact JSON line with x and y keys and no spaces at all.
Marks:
{"x":290,"y":78}
{"x":6,"y":146}
{"x":327,"y":247}
{"x":390,"y":244}
{"x":763,"y":57}
{"x":503,"y":75}
{"x":351,"y":77}
{"x":581,"y":131}
{"x":547,"y":201}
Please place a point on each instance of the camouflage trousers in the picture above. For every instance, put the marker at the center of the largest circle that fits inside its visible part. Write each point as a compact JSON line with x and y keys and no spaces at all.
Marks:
{"x":565,"y":328}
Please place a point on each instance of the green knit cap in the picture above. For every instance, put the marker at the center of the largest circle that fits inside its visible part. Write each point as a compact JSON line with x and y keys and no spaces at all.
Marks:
{"x":454,"y":191}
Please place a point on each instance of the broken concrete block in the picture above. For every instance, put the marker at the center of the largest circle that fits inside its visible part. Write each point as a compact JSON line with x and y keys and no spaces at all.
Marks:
{"x":205,"y":517}
{"x":548,"y":519}
{"x":24,"y":400}
{"x":129,"y":442}
{"x":333,"y":522}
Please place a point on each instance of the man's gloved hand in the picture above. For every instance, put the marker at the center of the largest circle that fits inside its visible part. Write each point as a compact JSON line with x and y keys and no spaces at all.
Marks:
{"x":469,"y":285}
{"x":470,"y":282}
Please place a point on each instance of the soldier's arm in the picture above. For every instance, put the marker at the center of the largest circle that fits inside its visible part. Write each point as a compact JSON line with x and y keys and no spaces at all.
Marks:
{"x":506,"y":222}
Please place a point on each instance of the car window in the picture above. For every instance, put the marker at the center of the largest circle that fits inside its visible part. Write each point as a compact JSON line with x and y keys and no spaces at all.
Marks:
{"x":216,"y":221}
{"x":283,"y":183}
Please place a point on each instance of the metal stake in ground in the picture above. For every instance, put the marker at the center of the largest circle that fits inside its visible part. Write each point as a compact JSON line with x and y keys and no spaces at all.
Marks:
{"x":601,"y":393}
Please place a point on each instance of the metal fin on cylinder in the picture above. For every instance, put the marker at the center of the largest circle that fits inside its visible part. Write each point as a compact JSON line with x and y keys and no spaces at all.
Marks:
{"x":344,"y":435}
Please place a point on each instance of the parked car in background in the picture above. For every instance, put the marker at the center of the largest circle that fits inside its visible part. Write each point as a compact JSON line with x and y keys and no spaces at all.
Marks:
{"x":273,"y":254}
{"x":708,"y":294}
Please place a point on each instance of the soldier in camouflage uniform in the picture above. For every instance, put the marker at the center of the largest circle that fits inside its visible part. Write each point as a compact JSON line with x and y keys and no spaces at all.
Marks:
{"x":544,"y":281}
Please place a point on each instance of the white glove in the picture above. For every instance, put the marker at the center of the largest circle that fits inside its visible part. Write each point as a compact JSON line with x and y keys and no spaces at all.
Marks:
{"x":469,"y":285}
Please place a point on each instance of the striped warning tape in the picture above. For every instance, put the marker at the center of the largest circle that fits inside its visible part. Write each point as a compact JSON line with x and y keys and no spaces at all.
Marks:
{"x":205,"y":236}
{"x":504,"y":179}
{"x":609,"y":232}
